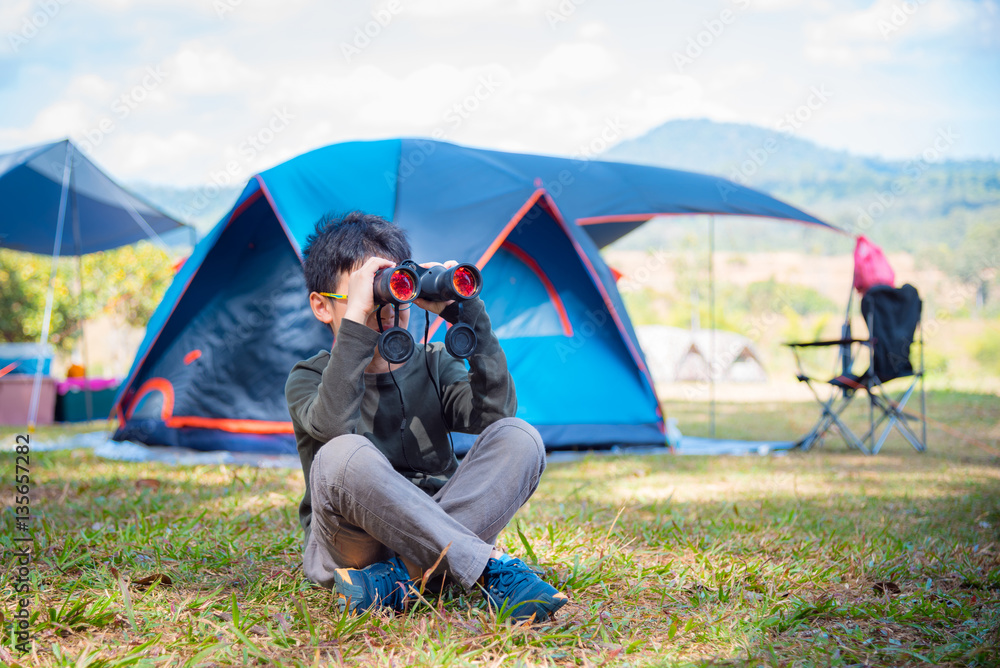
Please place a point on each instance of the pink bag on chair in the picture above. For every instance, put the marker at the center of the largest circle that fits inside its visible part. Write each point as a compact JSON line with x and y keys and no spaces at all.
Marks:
{"x":870,"y":266}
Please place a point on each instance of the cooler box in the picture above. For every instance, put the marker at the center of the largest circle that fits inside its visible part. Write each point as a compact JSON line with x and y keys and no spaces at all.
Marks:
{"x":24,"y":357}
{"x":15,"y":399}
{"x":71,"y":399}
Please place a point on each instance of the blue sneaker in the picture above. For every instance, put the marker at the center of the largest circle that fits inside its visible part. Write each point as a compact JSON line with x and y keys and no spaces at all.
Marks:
{"x":384,"y":584}
{"x":509,"y":584}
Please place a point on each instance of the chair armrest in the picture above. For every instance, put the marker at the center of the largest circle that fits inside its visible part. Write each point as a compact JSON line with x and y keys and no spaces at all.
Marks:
{"x":836,"y":342}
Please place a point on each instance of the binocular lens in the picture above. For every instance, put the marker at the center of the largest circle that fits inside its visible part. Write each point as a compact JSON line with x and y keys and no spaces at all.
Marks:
{"x":395,"y":285}
{"x":465,"y":282}
{"x":402,"y":286}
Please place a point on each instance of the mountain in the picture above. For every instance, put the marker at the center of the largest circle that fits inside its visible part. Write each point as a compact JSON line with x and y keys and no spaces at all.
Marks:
{"x":913,"y":205}
{"x":925,"y":204}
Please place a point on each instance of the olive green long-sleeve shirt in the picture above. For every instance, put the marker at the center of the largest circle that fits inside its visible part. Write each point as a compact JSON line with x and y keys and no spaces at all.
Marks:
{"x":330,"y":395}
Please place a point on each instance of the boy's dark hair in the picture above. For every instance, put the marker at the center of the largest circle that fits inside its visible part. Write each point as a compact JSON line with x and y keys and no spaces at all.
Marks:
{"x":341,"y":244}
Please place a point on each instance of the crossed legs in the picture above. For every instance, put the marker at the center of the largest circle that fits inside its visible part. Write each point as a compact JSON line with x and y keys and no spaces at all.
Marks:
{"x":365,"y":512}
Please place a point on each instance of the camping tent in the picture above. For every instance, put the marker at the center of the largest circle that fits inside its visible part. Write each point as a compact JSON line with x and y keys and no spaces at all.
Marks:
{"x":679,"y":354}
{"x":210,"y":372}
{"x":57,"y":202}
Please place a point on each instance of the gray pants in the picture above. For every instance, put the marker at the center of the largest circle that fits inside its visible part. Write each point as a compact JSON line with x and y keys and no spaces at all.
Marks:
{"x":365,"y":512}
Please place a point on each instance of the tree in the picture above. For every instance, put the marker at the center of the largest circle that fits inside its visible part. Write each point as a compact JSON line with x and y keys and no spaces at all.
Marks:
{"x":128,"y":282}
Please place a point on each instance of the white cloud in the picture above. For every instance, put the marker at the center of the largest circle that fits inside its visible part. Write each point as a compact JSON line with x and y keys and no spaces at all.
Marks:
{"x":547,"y":91}
{"x":570,"y":65}
{"x":149,"y":153}
{"x":13,"y":14}
{"x":480,"y":8}
{"x":876,"y":33}
{"x":71,"y":115}
{"x":773,"y":5}
{"x":672,"y":96}
{"x":593,"y":30}
{"x":197,"y":69}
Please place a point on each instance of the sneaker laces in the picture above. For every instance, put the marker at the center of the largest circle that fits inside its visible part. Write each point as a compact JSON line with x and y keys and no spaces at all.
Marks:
{"x":508,"y":577}
{"x":390,"y":588}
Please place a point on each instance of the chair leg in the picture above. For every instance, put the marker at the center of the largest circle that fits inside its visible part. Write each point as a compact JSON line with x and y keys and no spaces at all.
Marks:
{"x":893,"y":412}
{"x":923,"y":397}
{"x":848,"y":435}
{"x":871,"y":423}
{"x":832,"y":408}
{"x":920,"y":445}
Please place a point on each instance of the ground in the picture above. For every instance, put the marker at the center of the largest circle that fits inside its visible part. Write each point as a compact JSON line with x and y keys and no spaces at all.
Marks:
{"x":824,"y":557}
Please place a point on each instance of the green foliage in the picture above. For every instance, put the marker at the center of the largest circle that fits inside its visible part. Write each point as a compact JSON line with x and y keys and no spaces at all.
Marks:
{"x":25,"y":279}
{"x":640,"y":305}
{"x":935,"y":362}
{"x":770,"y":295}
{"x":986,"y":350}
{"x":128,"y":282}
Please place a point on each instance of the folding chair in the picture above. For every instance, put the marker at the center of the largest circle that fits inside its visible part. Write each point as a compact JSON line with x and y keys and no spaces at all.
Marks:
{"x":893,"y":319}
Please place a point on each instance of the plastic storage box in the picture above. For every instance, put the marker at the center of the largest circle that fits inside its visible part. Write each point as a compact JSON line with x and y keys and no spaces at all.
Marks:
{"x":71,"y":399}
{"x":15,"y":399}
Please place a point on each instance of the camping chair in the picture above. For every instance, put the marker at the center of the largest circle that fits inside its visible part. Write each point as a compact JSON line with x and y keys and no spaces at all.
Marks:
{"x":893,"y":318}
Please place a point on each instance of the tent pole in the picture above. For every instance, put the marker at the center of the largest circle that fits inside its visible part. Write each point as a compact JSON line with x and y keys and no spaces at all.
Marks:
{"x":88,"y":400}
{"x":36,"y":387}
{"x":711,"y":324}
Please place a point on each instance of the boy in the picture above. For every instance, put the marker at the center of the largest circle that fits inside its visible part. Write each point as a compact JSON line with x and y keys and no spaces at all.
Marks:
{"x":385,"y":496}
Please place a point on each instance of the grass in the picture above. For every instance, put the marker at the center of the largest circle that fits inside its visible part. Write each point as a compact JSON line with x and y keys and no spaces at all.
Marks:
{"x":819,"y":558}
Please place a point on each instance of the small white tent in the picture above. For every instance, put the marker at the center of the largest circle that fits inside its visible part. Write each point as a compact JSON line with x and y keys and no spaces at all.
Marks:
{"x":674,"y":354}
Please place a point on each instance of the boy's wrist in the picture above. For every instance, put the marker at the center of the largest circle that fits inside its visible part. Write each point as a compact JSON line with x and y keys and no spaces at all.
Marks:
{"x":356,"y":331}
{"x":357,"y":315}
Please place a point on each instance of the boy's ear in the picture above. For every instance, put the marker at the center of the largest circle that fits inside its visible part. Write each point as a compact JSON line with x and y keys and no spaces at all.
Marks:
{"x":321,"y":308}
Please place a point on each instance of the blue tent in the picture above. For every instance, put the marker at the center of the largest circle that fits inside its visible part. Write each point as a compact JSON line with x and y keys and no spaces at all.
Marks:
{"x":210,"y":373}
{"x":57,"y":202}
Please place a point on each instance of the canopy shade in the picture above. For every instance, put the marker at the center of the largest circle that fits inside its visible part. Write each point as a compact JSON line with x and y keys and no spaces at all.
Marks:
{"x":100,"y":214}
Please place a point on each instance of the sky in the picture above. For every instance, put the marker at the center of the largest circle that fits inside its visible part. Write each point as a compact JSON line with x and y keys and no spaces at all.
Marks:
{"x":187,"y":92}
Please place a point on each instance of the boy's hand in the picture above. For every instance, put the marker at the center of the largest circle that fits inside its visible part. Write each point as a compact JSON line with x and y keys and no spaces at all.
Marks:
{"x":435,"y":307}
{"x":360,"y":295}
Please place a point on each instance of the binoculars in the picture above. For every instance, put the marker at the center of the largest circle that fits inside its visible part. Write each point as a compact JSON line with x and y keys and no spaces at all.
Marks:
{"x":408,"y":281}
